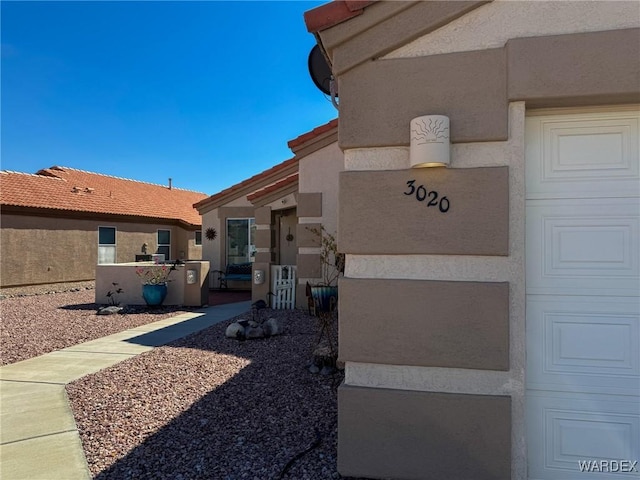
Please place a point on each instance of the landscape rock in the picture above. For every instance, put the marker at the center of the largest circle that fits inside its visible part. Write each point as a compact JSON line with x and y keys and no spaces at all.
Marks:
{"x":256,"y":332}
{"x":235,"y":330}
{"x":110,"y":310}
{"x":272,"y":327}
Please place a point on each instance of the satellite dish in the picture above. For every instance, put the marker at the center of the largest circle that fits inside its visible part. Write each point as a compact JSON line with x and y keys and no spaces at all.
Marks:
{"x":320,"y":71}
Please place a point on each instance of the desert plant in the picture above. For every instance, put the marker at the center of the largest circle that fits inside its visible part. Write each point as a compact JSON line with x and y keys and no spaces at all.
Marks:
{"x":155,"y":275}
{"x":332,"y":260}
{"x":111,"y":294}
{"x":324,"y":298}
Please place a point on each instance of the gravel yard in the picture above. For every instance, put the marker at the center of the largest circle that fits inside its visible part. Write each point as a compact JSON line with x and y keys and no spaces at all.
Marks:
{"x":40,"y":319}
{"x":203,"y":407}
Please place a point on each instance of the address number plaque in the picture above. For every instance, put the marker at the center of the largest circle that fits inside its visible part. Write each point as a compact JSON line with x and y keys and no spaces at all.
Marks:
{"x":431,"y":198}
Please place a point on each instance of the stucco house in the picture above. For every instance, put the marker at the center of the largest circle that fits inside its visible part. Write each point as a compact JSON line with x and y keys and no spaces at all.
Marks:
{"x":494,"y":335}
{"x":59,"y":223}
{"x":264,"y":219}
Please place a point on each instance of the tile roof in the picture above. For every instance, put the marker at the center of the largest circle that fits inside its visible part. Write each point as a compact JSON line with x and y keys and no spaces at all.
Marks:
{"x":68,"y":189}
{"x":305,"y":137}
{"x":333,"y":13}
{"x":266,"y":178}
{"x":249,"y":185}
{"x":291,"y":179}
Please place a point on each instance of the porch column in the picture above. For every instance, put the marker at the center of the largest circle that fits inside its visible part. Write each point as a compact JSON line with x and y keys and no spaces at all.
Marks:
{"x":264,"y":254}
{"x":308,"y":259}
{"x":432,"y":312}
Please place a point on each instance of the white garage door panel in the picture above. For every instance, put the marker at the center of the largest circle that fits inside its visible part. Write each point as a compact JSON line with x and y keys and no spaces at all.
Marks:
{"x":575,"y":427}
{"x":579,"y":344}
{"x":583,"y":292}
{"x":583,"y":155}
{"x":583,"y":247}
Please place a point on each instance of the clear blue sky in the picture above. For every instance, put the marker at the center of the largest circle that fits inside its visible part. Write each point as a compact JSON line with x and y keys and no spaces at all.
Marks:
{"x":207,"y":93}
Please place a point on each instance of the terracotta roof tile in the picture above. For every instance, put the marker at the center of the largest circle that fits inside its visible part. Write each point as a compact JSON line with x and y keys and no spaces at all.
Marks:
{"x":273,"y":187}
{"x":63,"y":188}
{"x":240,"y":189}
{"x":333,"y":13}
{"x":305,"y":137}
{"x":266,"y":178}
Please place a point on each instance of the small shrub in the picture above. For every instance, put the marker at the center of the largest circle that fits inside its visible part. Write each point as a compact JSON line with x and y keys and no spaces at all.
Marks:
{"x":111,"y":294}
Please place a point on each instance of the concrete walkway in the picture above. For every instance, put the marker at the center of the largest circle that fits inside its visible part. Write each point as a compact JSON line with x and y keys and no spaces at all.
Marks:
{"x":38,"y":434}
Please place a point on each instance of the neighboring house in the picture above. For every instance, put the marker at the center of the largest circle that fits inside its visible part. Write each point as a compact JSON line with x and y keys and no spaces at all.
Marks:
{"x":59,"y":223}
{"x":262,"y":219}
{"x":494,"y":335}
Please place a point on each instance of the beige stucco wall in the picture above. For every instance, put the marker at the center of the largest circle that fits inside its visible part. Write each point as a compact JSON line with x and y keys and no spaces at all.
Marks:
{"x":187,"y":248}
{"x":468,"y":268}
{"x":491,"y":25}
{"x":318,"y":174}
{"x":269,"y":247}
{"x":482,"y":70}
{"x":451,"y":436}
{"x":179,"y":291}
{"x":38,"y":249}
{"x":211,"y":248}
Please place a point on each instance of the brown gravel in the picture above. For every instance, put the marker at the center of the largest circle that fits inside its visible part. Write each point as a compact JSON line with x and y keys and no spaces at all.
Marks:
{"x":212,"y":408}
{"x":40,"y":319}
{"x":202,"y":407}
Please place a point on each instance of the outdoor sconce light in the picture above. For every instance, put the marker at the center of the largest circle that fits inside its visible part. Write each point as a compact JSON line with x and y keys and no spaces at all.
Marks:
{"x":429,"y":141}
{"x":258,"y":277}
{"x":191,"y":277}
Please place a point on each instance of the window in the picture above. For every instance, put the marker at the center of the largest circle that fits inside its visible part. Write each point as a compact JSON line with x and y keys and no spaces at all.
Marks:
{"x":198,"y":237}
{"x":106,"y":245}
{"x":164,"y":243}
{"x":240,"y":240}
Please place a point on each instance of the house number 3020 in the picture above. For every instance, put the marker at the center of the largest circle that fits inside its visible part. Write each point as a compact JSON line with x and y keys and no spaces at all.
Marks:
{"x":431,"y":197}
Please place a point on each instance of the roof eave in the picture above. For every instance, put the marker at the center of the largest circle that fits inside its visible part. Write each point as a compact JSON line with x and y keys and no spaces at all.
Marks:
{"x":88,"y":215}
{"x":248,"y":186}
{"x":333,"y":13}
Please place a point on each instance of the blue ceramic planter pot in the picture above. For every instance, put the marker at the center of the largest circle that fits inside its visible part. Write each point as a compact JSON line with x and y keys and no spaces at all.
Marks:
{"x":325,"y":298}
{"x":154,"y":295}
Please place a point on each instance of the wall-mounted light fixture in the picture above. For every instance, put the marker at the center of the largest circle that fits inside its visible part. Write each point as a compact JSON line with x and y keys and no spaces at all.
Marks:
{"x":258,"y":277}
{"x":429,"y":141}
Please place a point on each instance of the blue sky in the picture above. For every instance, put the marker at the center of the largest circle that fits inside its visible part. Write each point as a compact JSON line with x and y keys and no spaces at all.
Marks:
{"x":207,"y":93}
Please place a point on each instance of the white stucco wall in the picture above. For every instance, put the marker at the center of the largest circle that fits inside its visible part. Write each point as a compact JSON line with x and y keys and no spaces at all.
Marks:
{"x":491,"y":25}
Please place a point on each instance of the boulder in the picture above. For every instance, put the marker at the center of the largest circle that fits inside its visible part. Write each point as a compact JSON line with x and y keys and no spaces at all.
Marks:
{"x":110,"y":310}
{"x":254,"y":332}
{"x":235,"y":330}
{"x":271,"y":327}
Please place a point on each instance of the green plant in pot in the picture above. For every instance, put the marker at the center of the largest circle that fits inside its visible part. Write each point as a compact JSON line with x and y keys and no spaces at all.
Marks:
{"x":154,"y":283}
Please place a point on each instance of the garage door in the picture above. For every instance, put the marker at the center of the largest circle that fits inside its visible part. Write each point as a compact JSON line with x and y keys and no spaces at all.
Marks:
{"x":583,"y":305}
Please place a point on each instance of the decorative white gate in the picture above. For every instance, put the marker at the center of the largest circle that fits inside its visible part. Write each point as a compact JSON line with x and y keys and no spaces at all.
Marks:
{"x":283,"y":286}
